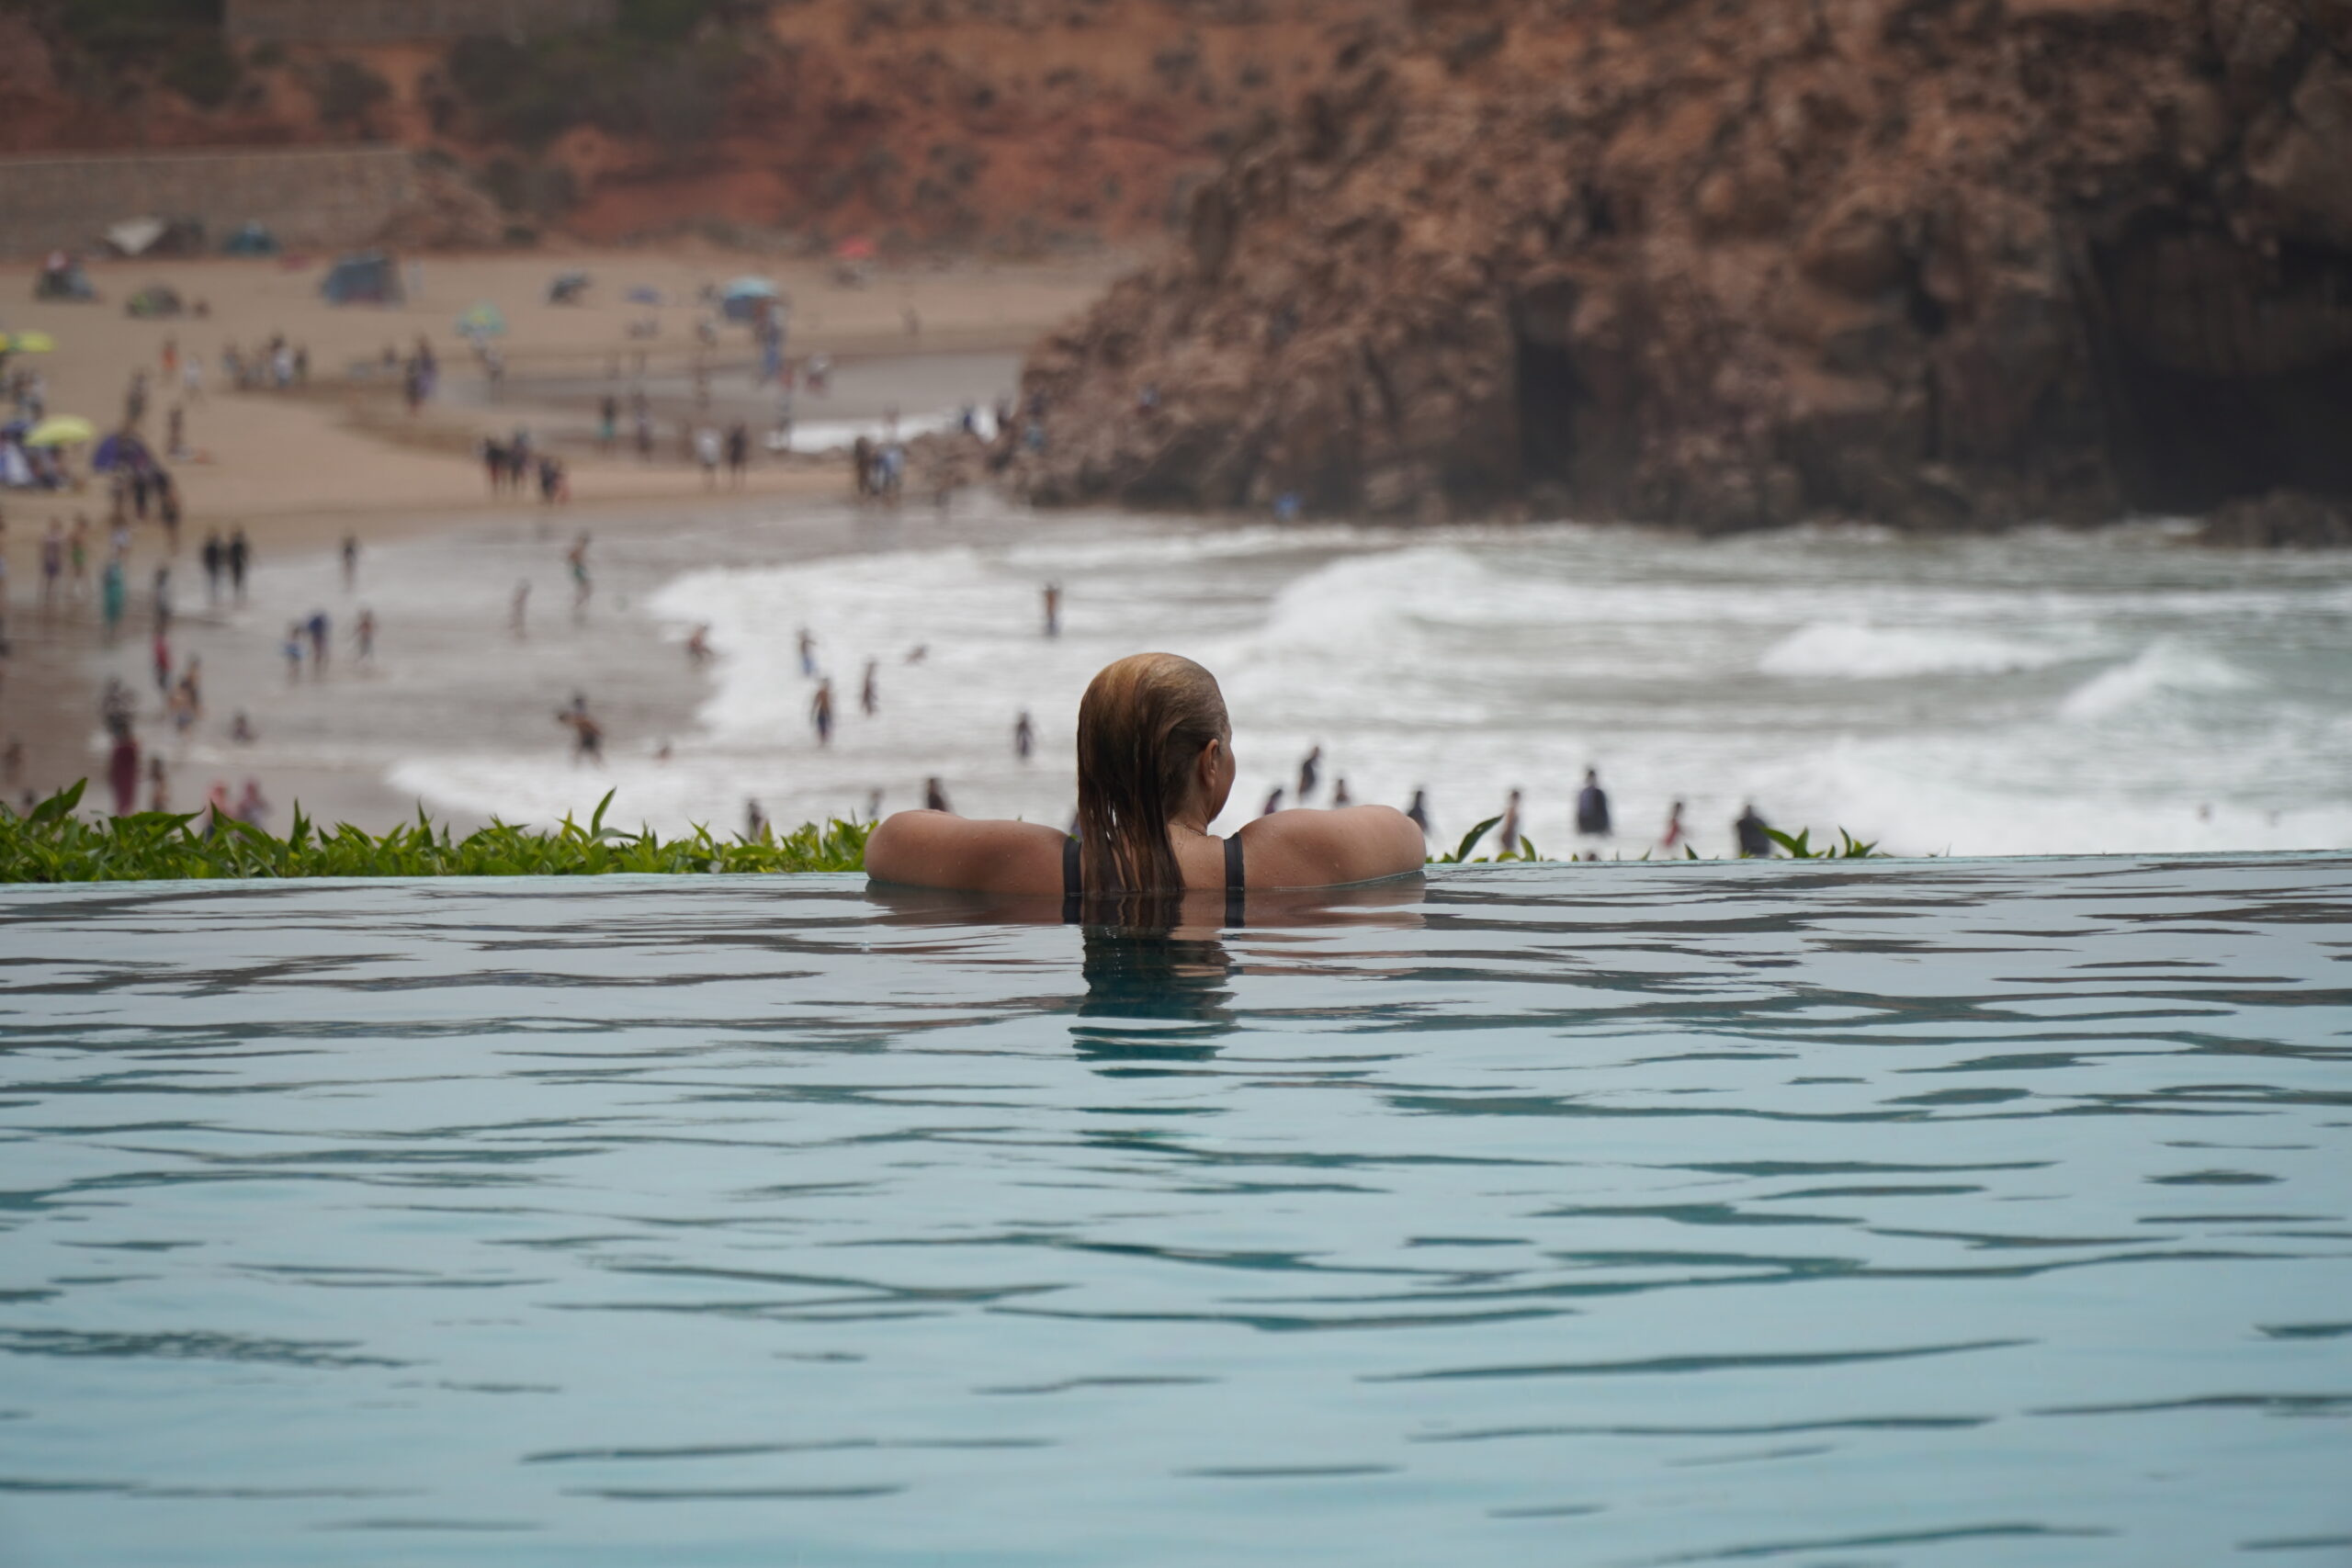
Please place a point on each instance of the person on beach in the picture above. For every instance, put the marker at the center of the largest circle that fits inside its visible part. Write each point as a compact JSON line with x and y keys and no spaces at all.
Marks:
{"x":1053,"y":609}
{"x":935,"y":796}
{"x":707,"y":452}
{"x":122,"y":772}
{"x":52,"y":563}
{"x":1310,"y":768}
{"x":350,"y":561}
{"x":587,"y":735}
{"x":577,"y":558}
{"x":292,"y":650}
{"x":364,"y":634}
{"x":1339,"y":795}
{"x":869,"y":694}
{"x":1592,"y":815}
{"x":755,"y":822}
{"x":1154,"y":768}
{"x":861,"y":466}
{"x":1676,"y":835}
{"x":215,"y":555}
{"x":159,"y":785}
{"x":1273,"y":802}
{"x":1024,"y":736}
{"x":1507,"y":838}
{"x":493,"y":464}
{"x":1753,"y":834}
{"x":241,"y":554}
{"x":77,"y":556}
{"x":252,"y":806}
{"x":739,"y":455}
{"x":808,"y":653}
{"x":162,"y":651}
{"x":318,"y":626}
{"x":167,"y":507}
{"x":698,"y":645}
{"x":820,"y":712}
{"x":1417,"y":813}
{"x":240,"y":730}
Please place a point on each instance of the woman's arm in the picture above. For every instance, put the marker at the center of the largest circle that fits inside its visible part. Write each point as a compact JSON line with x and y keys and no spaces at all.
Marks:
{"x":933,"y":849}
{"x":1324,"y":849}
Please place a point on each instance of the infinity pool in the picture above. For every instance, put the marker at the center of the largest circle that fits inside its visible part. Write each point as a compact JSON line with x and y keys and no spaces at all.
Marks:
{"x":1922,"y":1212}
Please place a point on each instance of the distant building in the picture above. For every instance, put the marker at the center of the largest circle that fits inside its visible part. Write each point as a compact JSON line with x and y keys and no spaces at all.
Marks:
{"x":395,"y":21}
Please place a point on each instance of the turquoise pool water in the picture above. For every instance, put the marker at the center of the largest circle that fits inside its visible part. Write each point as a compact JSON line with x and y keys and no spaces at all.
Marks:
{"x":1926,"y":1213}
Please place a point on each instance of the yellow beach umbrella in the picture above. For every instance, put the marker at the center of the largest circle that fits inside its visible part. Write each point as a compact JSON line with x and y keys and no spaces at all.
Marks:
{"x":61,"y":430}
{"x":29,"y":343}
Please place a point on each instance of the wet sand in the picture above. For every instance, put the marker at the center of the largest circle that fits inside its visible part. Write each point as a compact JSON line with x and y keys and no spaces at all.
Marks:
{"x":448,"y":671}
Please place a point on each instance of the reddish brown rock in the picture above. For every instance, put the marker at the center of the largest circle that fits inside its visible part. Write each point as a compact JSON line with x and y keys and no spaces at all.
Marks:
{"x":1939,"y":263}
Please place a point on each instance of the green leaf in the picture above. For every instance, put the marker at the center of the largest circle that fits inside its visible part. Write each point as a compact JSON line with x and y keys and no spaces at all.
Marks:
{"x":1470,"y":840}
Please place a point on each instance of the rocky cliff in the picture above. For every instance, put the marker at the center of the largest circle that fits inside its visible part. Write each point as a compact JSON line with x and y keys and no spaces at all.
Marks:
{"x":1736,"y":263}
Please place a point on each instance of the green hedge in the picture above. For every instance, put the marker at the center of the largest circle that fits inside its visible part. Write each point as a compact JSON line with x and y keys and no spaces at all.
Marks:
{"x":52,"y":844}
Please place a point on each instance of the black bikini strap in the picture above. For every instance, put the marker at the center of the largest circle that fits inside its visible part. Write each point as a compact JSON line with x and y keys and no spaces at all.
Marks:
{"x":1236,"y":895}
{"x":1073,"y":890}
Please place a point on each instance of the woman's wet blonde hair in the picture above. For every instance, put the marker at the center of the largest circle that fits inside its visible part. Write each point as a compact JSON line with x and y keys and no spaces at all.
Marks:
{"x":1141,"y":730}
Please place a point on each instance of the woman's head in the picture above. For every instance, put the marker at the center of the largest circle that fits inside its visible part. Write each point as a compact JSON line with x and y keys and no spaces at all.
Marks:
{"x":1153,"y":742}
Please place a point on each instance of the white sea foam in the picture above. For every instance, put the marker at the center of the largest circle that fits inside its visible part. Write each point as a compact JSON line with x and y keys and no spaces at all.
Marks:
{"x":1855,"y":651}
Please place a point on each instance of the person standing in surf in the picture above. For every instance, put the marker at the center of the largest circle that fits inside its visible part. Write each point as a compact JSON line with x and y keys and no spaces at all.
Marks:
{"x":1592,"y":815}
{"x":820,"y":712}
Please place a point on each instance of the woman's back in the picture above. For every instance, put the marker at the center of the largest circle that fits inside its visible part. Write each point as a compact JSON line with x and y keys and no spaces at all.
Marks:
{"x":1155,"y":769}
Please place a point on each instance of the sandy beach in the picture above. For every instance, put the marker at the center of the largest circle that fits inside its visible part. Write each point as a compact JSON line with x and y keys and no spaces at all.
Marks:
{"x":299,"y":470}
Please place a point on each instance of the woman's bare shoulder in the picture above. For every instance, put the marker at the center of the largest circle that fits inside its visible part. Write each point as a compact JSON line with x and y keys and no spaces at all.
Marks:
{"x":1308,"y":847}
{"x":933,"y":849}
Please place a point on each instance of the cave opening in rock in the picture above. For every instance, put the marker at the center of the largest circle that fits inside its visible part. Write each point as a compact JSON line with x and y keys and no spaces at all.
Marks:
{"x":2227,"y":372}
{"x":1549,"y":390}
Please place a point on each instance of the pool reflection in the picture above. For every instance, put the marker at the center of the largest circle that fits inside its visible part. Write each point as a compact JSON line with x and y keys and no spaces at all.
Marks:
{"x":1153,"y":996}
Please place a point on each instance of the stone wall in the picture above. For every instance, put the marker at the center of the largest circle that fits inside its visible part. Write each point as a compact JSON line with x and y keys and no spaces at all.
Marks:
{"x":393,"y":21}
{"x":329,"y":197}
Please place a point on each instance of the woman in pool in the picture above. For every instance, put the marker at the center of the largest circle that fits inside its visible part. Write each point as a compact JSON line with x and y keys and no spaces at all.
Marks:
{"x":1154,"y":765}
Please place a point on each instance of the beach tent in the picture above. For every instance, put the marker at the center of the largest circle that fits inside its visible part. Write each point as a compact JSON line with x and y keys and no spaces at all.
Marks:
{"x":567,"y":288}
{"x":155,"y":237}
{"x":854,"y":262}
{"x":123,"y":451}
{"x":134,"y":236}
{"x":748,"y":299}
{"x":155,"y":300}
{"x":62,"y":277}
{"x":61,"y":430}
{"x":367,"y":277}
{"x":253,"y":240}
{"x":483,"y":321}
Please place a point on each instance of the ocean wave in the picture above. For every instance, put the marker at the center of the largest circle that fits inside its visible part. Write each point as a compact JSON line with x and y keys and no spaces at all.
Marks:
{"x":2162,"y":669}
